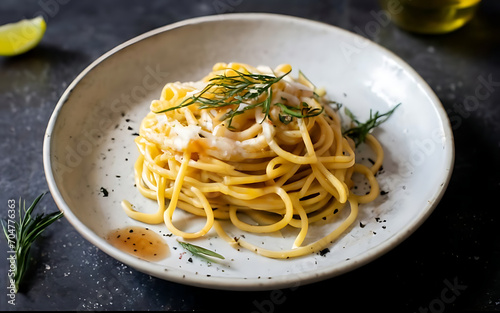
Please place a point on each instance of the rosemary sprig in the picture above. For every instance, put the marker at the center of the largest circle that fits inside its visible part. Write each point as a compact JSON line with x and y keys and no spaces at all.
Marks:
{"x":359,"y":132}
{"x":232,"y":90}
{"x":199,"y":251}
{"x":21,"y":234}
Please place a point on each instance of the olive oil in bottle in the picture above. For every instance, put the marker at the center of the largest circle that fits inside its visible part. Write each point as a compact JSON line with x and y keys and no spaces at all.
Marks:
{"x":430,"y":16}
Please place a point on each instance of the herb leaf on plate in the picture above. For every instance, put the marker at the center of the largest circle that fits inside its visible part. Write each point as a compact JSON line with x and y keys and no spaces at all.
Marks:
{"x":359,"y":132}
{"x":199,"y":251}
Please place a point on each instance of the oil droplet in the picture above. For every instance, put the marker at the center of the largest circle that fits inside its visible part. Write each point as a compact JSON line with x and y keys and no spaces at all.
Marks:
{"x":140,"y":242}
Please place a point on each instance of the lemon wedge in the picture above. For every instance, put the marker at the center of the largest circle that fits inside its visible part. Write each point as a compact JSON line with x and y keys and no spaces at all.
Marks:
{"x":19,"y":37}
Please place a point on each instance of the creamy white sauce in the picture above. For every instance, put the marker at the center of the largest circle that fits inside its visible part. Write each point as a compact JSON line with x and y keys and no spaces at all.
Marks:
{"x":184,"y":135}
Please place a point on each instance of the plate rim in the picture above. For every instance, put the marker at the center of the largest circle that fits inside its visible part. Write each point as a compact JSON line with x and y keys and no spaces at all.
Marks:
{"x":248,"y":284}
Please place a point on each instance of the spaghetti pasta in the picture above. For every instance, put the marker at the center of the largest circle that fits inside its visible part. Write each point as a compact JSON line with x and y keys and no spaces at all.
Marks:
{"x":249,"y":141}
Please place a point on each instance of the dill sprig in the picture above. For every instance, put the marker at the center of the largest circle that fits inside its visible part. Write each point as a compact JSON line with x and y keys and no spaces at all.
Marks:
{"x":304,"y":111}
{"x":199,"y":251}
{"x":232,"y":90}
{"x":21,"y":234}
{"x":361,"y":130}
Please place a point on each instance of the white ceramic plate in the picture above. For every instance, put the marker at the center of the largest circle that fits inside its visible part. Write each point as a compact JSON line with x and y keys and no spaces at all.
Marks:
{"x":89,"y":140}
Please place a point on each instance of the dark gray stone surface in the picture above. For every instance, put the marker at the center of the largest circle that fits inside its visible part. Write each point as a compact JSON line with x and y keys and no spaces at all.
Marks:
{"x":451,"y":263}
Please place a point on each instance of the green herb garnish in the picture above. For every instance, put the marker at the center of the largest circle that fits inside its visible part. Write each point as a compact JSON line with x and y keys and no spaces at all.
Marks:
{"x":21,"y":234}
{"x":304,"y":111}
{"x":337,"y":105}
{"x":359,"y":132}
{"x":232,"y":90}
{"x":199,"y":251}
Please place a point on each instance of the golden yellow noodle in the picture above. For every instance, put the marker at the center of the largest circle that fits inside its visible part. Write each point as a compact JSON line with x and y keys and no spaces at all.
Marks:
{"x":278,"y":172}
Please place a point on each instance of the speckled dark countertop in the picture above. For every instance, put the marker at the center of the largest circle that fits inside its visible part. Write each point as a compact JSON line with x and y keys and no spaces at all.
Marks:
{"x":452,"y":263}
